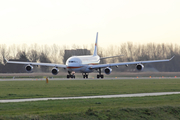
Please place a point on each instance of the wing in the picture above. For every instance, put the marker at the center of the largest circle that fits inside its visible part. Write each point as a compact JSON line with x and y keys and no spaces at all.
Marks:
{"x":34,"y":63}
{"x":127,"y":63}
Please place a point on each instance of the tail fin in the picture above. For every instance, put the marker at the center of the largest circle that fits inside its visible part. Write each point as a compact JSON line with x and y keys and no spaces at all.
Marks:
{"x":95,"y":48}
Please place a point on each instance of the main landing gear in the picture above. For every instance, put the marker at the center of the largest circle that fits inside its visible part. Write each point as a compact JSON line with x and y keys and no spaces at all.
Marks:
{"x":85,"y":75}
{"x":100,"y":75}
{"x":71,"y":75}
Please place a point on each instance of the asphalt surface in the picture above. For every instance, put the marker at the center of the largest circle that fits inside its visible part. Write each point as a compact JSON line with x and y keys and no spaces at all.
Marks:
{"x":107,"y":78}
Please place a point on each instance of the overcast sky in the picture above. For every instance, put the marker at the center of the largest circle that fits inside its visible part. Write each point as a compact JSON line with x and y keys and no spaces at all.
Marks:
{"x":70,"y":22}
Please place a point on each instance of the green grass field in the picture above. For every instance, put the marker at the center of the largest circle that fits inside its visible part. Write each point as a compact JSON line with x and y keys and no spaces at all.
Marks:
{"x":66,"y":88}
{"x":157,"y":107}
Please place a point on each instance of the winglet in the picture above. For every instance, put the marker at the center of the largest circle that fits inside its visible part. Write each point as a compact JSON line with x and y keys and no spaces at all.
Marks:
{"x":6,"y":60}
{"x":171,"y":58}
{"x":95,"y":48}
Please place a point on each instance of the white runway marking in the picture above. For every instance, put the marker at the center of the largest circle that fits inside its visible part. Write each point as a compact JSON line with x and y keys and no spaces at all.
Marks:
{"x":90,"y":97}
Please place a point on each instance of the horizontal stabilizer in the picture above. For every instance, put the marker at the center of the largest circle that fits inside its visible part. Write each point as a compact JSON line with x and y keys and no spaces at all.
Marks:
{"x":111,"y":57}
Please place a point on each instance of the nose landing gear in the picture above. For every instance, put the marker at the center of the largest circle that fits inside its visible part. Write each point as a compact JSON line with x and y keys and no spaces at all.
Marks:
{"x":71,"y":75}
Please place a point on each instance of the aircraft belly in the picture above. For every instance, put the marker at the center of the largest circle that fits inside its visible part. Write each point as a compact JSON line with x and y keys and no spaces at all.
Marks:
{"x":74,"y":69}
{"x":85,"y":69}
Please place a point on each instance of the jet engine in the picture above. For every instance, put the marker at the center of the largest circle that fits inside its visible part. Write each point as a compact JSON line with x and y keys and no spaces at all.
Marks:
{"x":140,"y":67}
{"x":55,"y":71}
{"x":107,"y":70}
{"x":29,"y":68}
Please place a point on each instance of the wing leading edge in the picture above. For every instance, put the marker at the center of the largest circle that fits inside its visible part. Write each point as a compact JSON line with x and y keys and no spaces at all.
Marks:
{"x":34,"y":63}
{"x":127,"y":63}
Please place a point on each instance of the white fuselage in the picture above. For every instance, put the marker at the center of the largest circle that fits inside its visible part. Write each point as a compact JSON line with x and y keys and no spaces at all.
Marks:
{"x":81,"y":63}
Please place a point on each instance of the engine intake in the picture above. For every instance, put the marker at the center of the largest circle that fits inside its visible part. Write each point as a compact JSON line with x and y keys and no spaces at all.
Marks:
{"x":29,"y":68}
{"x":55,"y":71}
{"x":140,"y":67}
{"x":107,"y":70}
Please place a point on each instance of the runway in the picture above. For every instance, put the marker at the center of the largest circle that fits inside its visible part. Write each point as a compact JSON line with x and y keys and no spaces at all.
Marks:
{"x":107,"y":78}
{"x":90,"y":97}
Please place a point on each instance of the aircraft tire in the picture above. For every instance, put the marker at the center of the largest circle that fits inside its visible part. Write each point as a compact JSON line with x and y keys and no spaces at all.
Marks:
{"x":102,"y":76}
{"x":97,"y":76}
{"x":84,"y":76}
{"x":68,"y":76}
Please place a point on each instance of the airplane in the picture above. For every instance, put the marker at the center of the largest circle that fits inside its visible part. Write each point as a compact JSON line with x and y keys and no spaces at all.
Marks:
{"x":86,"y":64}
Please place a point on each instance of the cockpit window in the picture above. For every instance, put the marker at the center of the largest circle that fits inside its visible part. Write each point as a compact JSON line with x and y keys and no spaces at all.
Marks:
{"x":72,"y":61}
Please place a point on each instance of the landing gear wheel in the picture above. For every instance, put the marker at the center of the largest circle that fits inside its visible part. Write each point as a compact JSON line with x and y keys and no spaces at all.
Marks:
{"x":85,"y":75}
{"x":100,"y":75}
{"x":70,"y":76}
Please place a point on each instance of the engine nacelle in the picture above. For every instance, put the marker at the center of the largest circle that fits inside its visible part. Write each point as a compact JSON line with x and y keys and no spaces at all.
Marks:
{"x":55,"y":71}
{"x":29,"y":68}
{"x":107,"y":70}
{"x":140,"y":67}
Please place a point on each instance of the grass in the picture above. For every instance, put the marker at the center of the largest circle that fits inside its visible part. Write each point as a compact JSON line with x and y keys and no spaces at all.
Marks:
{"x":91,"y":108}
{"x":157,"y":107}
{"x":81,"y":105}
{"x":69,"y":88}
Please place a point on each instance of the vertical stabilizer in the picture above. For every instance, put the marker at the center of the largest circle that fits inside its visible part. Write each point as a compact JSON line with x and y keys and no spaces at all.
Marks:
{"x":95,"y":48}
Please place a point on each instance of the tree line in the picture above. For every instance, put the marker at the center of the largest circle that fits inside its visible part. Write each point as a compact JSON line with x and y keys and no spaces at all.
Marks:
{"x":56,"y":54}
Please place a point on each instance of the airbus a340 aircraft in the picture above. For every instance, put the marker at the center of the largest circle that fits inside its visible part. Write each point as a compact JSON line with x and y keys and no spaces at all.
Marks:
{"x":86,"y":64}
